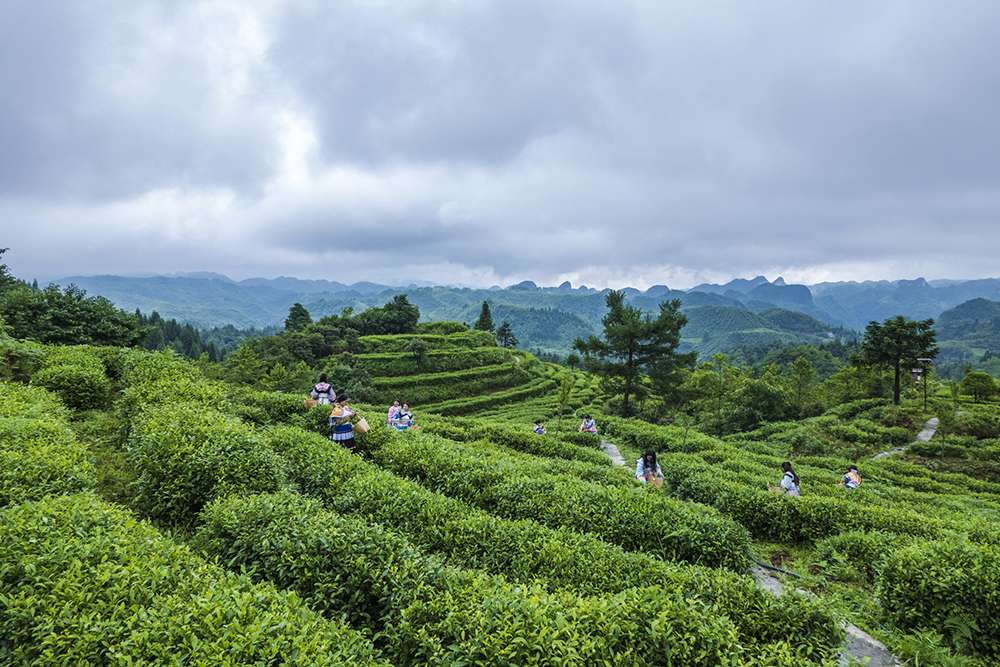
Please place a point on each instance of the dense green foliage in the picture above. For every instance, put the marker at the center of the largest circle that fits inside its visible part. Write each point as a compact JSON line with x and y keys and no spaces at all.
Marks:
{"x":66,"y":316}
{"x":83,"y":582}
{"x":634,"y":344}
{"x":39,"y":454}
{"x":432,"y":613}
{"x":899,"y":343}
{"x":473,"y":539}
{"x":627,"y":516}
{"x":162,"y":334}
{"x":950,"y":586}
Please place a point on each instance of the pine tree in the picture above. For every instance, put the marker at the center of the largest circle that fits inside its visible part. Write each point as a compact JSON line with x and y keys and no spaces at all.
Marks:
{"x":505,"y":335}
{"x":635,"y":344}
{"x":485,"y":321}
{"x":803,"y":381}
{"x":897,"y":343}
{"x":298,"y":318}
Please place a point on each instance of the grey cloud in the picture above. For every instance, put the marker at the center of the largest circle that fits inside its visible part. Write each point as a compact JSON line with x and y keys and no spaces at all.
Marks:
{"x":109,"y":99}
{"x":506,"y":140}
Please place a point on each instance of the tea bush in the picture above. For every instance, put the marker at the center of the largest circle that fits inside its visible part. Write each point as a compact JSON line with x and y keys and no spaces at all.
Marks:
{"x":438,"y":387}
{"x":523,"y":550}
{"x":463,"y":406}
{"x":949,"y":586}
{"x":83,"y":582}
{"x":39,"y":454}
{"x":469,"y":338}
{"x":521,"y":439}
{"x":185,"y":454}
{"x":633,"y":517}
{"x":657,"y":438}
{"x":436,"y":361}
{"x":426,"y":611}
{"x":75,"y":374}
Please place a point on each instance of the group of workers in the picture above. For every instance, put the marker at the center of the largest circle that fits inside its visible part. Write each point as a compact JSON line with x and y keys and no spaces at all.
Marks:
{"x":340,"y":423}
{"x":647,"y":469}
{"x":399,"y":417}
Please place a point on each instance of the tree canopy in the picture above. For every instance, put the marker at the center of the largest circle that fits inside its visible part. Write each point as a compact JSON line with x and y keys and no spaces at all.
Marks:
{"x":635,"y":344}
{"x":485,"y":321}
{"x":298,"y":318}
{"x":897,"y":343}
{"x":505,"y":335}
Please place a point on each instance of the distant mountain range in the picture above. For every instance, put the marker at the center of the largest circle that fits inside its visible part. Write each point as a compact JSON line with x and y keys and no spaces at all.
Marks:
{"x":721,"y":317}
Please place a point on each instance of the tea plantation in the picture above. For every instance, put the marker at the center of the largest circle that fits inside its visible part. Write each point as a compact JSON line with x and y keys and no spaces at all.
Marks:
{"x":151,"y":514}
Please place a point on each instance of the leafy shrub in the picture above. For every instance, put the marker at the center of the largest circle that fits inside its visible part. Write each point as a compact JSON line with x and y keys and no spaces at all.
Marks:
{"x":633,"y":517}
{"x":84,"y":583}
{"x":428,"y":612}
{"x":402,"y":363}
{"x":527,"y":551}
{"x":19,"y":359}
{"x":462,"y":406}
{"x":39,"y":454}
{"x":952,"y":587}
{"x":435,"y":387}
{"x":859,"y":551}
{"x":981,"y":423}
{"x":81,"y":387}
{"x":464,"y":339}
{"x":463,"y":430}
{"x":443,"y":327}
{"x":185,"y":455}
{"x":657,"y":438}
{"x":265,"y":407}
{"x":17,"y":400}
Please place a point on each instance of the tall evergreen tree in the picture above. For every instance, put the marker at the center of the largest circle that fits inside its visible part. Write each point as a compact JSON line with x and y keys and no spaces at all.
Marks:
{"x":803,"y":379}
{"x":485,"y":321}
{"x":505,"y":335}
{"x":633,"y":344}
{"x":896,"y":344}
{"x":298,"y":318}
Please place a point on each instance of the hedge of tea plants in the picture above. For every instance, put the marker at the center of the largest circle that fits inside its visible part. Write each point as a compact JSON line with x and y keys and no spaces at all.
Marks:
{"x":436,"y":361}
{"x":785,"y":631}
{"x":83,"y":582}
{"x":526,"y":551}
{"x":427,"y":612}
{"x":401,"y":342}
{"x":438,"y":387}
{"x":552,"y":445}
{"x":633,"y":517}
{"x":39,"y":453}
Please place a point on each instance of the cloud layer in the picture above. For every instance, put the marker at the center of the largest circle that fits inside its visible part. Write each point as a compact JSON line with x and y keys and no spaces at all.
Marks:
{"x":482,"y":142}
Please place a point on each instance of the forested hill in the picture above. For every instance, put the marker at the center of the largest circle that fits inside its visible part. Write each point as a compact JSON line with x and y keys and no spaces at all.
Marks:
{"x":976,"y":322}
{"x":737,"y":315}
{"x":970,"y":337}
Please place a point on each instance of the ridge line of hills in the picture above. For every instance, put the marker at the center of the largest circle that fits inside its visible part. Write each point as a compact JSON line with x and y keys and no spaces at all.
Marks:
{"x":740,"y":313}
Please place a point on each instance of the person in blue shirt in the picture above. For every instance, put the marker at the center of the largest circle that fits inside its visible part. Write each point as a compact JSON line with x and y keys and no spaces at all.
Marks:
{"x":539,"y":427}
{"x":647,"y":469}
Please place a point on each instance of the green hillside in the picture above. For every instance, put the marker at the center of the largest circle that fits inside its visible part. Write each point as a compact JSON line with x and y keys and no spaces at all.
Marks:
{"x":712,"y":329}
{"x":160,"y":509}
{"x":970,"y":336}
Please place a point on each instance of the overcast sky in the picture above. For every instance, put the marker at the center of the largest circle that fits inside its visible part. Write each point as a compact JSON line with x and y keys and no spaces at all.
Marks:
{"x":475,"y":142}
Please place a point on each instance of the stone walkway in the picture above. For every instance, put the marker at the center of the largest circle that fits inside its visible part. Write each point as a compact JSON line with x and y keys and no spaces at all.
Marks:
{"x":613,"y":453}
{"x":930,"y":428}
{"x":858,"y":644}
